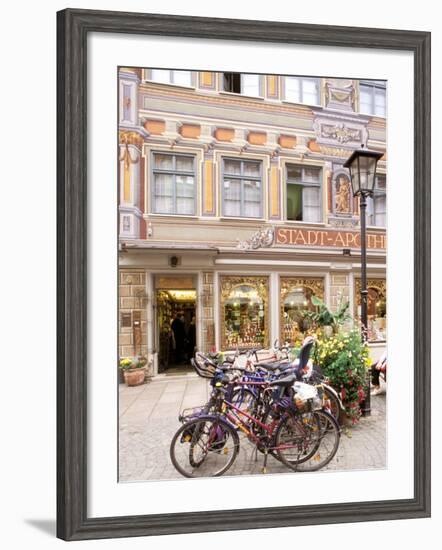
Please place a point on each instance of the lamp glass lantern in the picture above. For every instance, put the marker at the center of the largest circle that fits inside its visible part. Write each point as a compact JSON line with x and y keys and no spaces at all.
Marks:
{"x":362,"y":167}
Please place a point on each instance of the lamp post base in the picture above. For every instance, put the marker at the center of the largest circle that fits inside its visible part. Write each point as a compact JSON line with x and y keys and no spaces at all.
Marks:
{"x":366,"y":404}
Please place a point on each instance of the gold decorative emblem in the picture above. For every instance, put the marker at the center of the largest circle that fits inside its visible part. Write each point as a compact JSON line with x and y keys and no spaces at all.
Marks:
{"x":130,"y":138}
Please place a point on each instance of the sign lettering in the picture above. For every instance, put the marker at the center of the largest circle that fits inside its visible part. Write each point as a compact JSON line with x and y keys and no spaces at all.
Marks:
{"x":288,"y":236}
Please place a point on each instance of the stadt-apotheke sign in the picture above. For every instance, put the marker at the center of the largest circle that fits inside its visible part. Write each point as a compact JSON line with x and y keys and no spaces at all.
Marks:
{"x":288,"y":236}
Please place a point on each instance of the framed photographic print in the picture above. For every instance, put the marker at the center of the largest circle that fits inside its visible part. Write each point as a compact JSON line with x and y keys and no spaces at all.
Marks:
{"x":243,"y":274}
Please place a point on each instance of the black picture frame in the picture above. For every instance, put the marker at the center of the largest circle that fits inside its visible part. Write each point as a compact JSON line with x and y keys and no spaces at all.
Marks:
{"x":73,"y":27}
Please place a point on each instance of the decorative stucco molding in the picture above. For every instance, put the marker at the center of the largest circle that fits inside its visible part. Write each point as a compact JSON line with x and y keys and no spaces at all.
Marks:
{"x":262,"y":238}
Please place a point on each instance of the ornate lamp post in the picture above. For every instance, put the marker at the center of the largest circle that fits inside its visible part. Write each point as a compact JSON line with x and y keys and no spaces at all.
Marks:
{"x":362,"y":166}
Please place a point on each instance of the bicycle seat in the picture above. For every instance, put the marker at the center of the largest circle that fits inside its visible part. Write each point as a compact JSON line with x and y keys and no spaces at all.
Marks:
{"x":274,"y":365}
{"x":285,"y":382}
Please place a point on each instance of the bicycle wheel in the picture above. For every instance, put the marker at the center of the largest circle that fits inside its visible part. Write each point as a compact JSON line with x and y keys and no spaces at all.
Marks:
{"x":206,"y":446}
{"x":333,"y":405}
{"x":307,"y":442}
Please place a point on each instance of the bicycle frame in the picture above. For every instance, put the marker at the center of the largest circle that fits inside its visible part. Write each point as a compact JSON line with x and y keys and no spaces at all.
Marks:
{"x":237,"y":422}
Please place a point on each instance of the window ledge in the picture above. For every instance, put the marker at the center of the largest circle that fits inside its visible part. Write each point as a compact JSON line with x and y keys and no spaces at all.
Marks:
{"x":308,"y":105}
{"x":184,"y":216}
{"x":170,"y":84}
{"x":258,"y":97}
{"x":240,"y":219}
{"x":372,"y":115}
{"x":304,"y":224}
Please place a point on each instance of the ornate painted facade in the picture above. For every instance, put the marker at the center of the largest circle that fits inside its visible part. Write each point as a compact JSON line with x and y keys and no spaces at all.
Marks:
{"x":228,"y":177}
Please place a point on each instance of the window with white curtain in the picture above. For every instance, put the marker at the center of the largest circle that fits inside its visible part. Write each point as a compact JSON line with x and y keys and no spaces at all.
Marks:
{"x":303,"y":193}
{"x":165,"y":76}
{"x":372,"y":97}
{"x":244,"y":84}
{"x":173,"y":189}
{"x":242,"y":188}
{"x":301,"y":90}
{"x":377,"y":205}
{"x":250,"y":84}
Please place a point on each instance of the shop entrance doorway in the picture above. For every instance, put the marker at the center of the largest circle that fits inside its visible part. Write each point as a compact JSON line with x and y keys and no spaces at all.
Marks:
{"x":176,"y":328}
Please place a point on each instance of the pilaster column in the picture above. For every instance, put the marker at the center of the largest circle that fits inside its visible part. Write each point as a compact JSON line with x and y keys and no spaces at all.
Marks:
{"x":207,"y":311}
{"x":130,"y":184}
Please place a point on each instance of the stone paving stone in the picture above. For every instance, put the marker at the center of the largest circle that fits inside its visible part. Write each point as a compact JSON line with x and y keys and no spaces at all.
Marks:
{"x":149,"y":419}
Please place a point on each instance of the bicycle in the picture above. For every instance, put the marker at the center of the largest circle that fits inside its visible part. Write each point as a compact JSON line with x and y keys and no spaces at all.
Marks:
{"x":208,"y":444}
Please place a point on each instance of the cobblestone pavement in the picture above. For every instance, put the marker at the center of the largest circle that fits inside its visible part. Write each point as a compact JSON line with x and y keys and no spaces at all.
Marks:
{"x":149,"y":418}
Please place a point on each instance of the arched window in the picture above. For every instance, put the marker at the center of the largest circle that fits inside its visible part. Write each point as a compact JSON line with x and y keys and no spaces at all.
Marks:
{"x":244,"y":315}
{"x":296,"y":294}
{"x":376,"y":308}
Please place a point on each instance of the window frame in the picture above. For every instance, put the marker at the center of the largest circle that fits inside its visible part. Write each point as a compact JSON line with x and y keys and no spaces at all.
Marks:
{"x":301,"y":80}
{"x":377,"y":193}
{"x":153,"y":171}
{"x":149,"y":77}
{"x":304,"y":184}
{"x":373,"y":85}
{"x":241,"y":177}
{"x":241,"y":93}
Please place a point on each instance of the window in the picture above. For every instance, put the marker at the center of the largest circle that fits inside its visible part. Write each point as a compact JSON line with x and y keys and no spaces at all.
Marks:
{"x":173,"y":184}
{"x":372,"y":97}
{"x":296,"y":302}
{"x":180,"y":78}
{"x":377,"y":205}
{"x":304,"y":193}
{"x":376,"y":308}
{"x":302,"y":90}
{"x":246,"y":84}
{"x":242,"y":188}
{"x":244,"y":312}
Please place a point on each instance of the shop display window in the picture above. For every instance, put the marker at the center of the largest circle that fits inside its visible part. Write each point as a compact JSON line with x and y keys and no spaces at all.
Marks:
{"x":244,"y":312}
{"x":296,"y":294}
{"x":376,"y":308}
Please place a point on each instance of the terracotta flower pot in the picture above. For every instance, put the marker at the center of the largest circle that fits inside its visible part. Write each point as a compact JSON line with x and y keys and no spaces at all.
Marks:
{"x":134,"y":377}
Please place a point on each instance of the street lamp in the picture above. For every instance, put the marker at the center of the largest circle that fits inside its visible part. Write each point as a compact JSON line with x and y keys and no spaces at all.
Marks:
{"x":362,"y":167}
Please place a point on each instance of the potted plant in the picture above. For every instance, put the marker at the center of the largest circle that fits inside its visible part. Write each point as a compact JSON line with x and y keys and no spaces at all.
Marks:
{"x":133,"y":370}
{"x":323,"y":318}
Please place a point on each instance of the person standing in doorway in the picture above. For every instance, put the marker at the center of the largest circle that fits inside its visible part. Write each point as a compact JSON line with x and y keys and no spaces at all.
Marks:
{"x":179,"y":334}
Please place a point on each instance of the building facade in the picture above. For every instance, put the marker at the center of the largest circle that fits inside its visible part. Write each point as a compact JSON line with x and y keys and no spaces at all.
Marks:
{"x":235,"y":207}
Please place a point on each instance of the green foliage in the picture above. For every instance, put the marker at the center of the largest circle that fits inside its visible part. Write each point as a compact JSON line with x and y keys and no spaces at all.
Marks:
{"x":323,"y":317}
{"x":344,"y":359}
{"x":132,"y":362}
